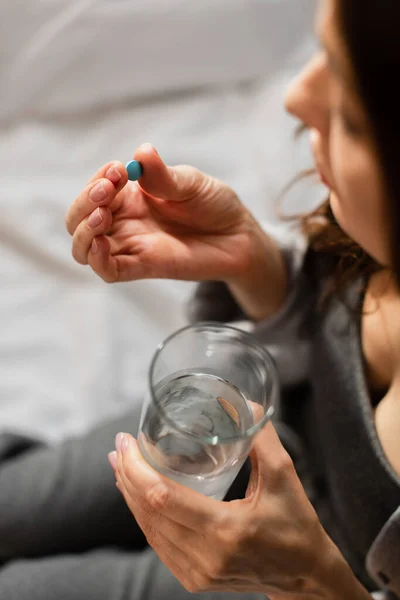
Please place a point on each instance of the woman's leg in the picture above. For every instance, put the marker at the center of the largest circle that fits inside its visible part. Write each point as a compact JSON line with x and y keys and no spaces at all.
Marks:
{"x":101,"y":575}
{"x":63,"y":499}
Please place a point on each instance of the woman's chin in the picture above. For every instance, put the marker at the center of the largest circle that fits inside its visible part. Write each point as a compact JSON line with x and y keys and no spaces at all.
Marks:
{"x":334,"y":203}
{"x":337,"y":211}
{"x":379,"y":251}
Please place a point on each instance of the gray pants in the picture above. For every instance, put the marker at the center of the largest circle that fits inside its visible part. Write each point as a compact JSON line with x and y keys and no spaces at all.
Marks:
{"x":65,"y":532}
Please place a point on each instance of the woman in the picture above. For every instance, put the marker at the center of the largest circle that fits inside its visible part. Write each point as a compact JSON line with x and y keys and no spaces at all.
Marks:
{"x":343,"y":299}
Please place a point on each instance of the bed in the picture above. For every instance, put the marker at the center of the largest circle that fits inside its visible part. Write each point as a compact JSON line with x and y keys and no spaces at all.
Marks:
{"x":86,"y":81}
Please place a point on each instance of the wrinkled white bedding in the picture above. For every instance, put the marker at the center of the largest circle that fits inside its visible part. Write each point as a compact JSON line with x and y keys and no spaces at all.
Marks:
{"x":86,"y":81}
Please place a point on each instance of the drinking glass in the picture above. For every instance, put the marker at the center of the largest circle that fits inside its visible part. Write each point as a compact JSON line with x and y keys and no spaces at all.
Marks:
{"x":212,"y":387}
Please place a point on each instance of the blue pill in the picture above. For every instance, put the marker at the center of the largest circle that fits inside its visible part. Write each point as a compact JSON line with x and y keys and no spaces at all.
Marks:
{"x":135,"y":170}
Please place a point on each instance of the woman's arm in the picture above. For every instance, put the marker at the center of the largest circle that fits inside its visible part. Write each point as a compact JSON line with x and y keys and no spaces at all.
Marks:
{"x":283,"y":331}
{"x":271,"y":542}
{"x":261,"y":288}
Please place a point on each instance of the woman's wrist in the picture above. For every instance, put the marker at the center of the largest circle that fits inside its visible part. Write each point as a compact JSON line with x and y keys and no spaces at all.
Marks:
{"x":260,"y":289}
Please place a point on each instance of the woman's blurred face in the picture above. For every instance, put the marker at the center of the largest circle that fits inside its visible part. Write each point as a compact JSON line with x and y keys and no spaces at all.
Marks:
{"x":324,"y":97}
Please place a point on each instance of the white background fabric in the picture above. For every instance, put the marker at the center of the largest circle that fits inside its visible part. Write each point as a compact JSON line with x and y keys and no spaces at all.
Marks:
{"x":86,"y":81}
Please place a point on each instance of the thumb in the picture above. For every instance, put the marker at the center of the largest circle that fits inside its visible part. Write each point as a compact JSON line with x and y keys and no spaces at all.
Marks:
{"x":174,"y":184}
{"x":268,"y":456}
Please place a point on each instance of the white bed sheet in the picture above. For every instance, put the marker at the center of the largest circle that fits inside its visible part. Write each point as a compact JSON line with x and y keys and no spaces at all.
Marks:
{"x":205,"y":85}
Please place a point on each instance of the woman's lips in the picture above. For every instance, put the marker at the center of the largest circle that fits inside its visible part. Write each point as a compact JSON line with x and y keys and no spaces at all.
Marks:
{"x":315,"y":143}
{"x":322,"y":177}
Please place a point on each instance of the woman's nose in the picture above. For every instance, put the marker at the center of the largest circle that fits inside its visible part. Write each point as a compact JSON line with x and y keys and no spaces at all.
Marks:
{"x":308,"y":96}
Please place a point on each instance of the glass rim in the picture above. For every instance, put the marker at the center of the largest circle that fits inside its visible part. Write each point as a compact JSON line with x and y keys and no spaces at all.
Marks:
{"x":271,"y":389}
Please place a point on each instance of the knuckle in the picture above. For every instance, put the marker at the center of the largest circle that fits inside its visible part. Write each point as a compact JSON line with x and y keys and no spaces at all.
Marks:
{"x":158,"y":496}
{"x":225,"y":526}
{"x":193,"y":184}
{"x":224,"y":520}
{"x":207,"y":185}
{"x":227,"y":537}
{"x":239,"y":528}
{"x":248,"y":533}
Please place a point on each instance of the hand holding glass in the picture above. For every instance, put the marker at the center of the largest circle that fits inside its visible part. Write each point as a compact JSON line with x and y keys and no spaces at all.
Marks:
{"x":211,"y":389}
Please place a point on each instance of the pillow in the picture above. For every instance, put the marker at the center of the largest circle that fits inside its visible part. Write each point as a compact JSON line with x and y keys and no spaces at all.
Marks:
{"x":68,"y":56}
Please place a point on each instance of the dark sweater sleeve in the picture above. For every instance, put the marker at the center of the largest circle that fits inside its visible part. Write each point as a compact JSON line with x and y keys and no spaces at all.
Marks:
{"x":283,"y":333}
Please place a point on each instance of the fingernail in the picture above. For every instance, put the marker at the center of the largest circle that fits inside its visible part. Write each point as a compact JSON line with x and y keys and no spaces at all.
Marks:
{"x":113,"y":174}
{"x":113,"y":460}
{"x":94,"y":247}
{"x":118,"y":441}
{"x":95,"y":218}
{"x":98,"y":193}
{"x":124,"y":445}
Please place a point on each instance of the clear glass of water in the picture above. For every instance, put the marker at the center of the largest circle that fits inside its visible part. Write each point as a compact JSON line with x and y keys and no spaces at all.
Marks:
{"x":211,"y":389}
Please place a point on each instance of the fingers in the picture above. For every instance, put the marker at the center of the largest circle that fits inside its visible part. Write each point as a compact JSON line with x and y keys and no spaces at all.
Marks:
{"x":169,"y":553}
{"x":179,"y":548}
{"x":159,"y":530}
{"x":270,"y":460}
{"x":172,"y":557}
{"x":257,"y":410}
{"x":175,"y":184}
{"x":112,"y":170}
{"x":180,"y":504}
{"x":102,"y":190}
{"x":102,"y":262}
{"x":157,"y":179}
{"x":97,"y":224}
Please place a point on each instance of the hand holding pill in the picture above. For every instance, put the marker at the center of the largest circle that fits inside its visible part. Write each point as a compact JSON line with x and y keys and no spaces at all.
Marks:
{"x":173,"y":222}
